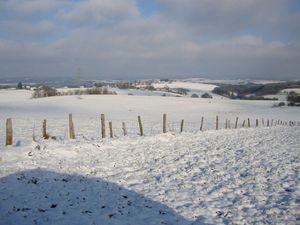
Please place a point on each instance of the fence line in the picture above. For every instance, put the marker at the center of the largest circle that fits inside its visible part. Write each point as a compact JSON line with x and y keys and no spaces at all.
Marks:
{"x":137,"y":128}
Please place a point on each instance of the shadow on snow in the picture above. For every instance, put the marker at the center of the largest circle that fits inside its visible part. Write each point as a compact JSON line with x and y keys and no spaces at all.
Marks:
{"x":45,"y":197}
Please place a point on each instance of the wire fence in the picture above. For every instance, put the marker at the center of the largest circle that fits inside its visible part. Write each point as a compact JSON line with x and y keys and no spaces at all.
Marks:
{"x":20,"y":132}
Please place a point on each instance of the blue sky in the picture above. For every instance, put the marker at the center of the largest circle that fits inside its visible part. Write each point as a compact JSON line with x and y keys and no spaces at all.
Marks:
{"x":147,"y":8}
{"x":146,"y":39}
{"x":294,"y":5}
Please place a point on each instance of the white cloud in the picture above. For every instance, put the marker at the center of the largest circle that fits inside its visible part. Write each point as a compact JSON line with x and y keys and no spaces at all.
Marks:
{"x":23,"y":29}
{"x":227,"y":16}
{"x":191,"y":37}
{"x":99,"y":11}
{"x":28,"y":7}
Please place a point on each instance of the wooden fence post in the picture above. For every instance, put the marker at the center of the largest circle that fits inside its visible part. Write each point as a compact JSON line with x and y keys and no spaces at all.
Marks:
{"x":124,"y":129}
{"x":217,"y":122}
{"x":256,"y":122}
{"x":9,"y":132}
{"x":201,"y":126}
{"x":110,"y":130}
{"x":103,"y":126}
{"x":181,"y":126}
{"x":263,"y":122}
{"x":272,"y":123}
{"x":44,"y":132}
{"x":71,"y":127}
{"x":268,"y":123}
{"x":226,"y":124}
{"x":229,"y":126}
{"x":140,"y":125}
{"x":243,"y":125}
{"x":165,"y":123}
{"x":248,"y":122}
{"x":236,"y":122}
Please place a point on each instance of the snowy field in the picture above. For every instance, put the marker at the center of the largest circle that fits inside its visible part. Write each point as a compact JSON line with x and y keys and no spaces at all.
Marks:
{"x":297,"y":90}
{"x":187,"y":85}
{"x":193,"y":87}
{"x":27,"y":114}
{"x":229,"y":176}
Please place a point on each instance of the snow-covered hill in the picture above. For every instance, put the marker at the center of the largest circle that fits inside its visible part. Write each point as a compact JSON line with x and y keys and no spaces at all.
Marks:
{"x":229,"y":176}
{"x":27,"y":114}
{"x":242,"y":176}
{"x":193,"y":87}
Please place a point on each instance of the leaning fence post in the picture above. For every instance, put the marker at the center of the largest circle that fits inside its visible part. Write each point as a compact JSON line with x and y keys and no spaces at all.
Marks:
{"x":263,"y":122}
{"x":165,"y":123}
{"x":9,"y":132}
{"x":236,"y":122}
{"x":44,"y":133}
{"x":140,"y":125}
{"x":201,"y":126}
{"x":103,"y":126}
{"x":71,"y":127}
{"x":110,"y":129}
{"x":181,"y":126}
{"x":124,"y":129}
{"x":217,"y":122}
{"x":243,"y":125}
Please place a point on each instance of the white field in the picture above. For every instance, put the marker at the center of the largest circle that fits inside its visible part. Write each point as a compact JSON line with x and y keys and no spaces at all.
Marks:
{"x":297,"y":90}
{"x":187,"y":85}
{"x":281,"y":97}
{"x":27,"y":114}
{"x":193,"y":87}
{"x":204,"y":80}
{"x":229,"y":176}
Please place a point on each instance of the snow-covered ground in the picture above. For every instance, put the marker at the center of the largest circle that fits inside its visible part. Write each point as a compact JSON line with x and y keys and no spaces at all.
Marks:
{"x":229,"y":176}
{"x":297,"y":90}
{"x":187,"y":85}
{"x":236,"y":81}
{"x":27,"y":114}
{"x":193,"y":87}
{"x":281,"y":97}
{"x":242,"y":176}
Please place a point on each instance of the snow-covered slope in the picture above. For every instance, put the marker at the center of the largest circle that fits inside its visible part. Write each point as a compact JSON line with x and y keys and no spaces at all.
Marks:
{"x":241,"y":176}
{"x":237,"y":176}
{"x":27,"y":114}
{"x":297,"y":90}
{"x":193,"y":87}
{"x":187,"y":85}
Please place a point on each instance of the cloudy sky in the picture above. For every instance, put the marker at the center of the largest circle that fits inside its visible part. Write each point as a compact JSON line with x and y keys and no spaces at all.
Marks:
{"x":121,"y":39}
